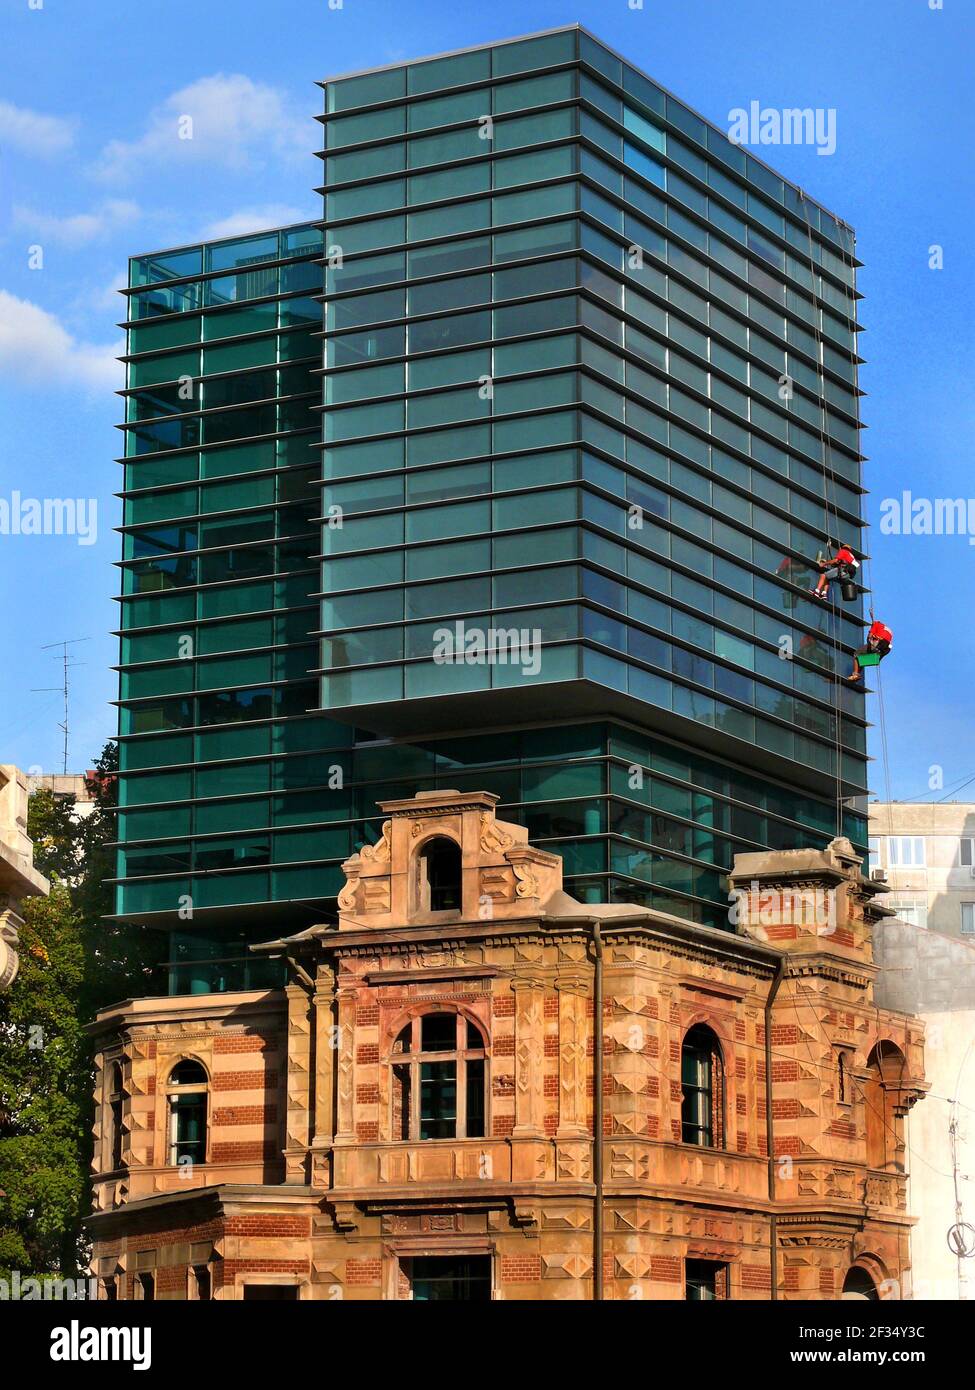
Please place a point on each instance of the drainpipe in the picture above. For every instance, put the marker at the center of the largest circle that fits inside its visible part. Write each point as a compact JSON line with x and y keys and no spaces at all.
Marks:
{"x":597,"y":1122}
{"x":769,"y":1129}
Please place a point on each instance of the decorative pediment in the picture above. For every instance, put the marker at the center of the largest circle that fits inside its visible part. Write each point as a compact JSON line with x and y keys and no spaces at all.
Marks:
{"x":443,"y":857}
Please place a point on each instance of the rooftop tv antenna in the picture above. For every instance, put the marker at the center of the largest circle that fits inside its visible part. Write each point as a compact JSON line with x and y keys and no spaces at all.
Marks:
{"x":67,"y":665}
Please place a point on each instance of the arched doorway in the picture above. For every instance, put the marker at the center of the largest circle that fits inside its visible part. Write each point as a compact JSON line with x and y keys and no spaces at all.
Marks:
{"x":859,"y":1285}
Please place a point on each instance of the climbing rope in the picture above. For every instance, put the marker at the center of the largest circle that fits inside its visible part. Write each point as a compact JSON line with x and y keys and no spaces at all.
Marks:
{"x":831,"y":512}
{"x":868,"y":583}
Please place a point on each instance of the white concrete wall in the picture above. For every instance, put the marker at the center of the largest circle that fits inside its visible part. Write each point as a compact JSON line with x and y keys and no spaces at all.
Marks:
{"x":950,"y":1064}
{"x":925,"y":973}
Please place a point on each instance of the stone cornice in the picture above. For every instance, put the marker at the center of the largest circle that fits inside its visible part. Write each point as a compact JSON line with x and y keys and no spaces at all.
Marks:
{"x":446,"y":803}
{"x":837,"y":969}
{"x":218,"y":1199}
{"x":684,"y":941}
{"x":187,"y":1008}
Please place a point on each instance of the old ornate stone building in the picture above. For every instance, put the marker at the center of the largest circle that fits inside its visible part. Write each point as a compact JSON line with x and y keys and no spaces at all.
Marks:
{"x":18,"y":877}
{"x":414,"y":1115}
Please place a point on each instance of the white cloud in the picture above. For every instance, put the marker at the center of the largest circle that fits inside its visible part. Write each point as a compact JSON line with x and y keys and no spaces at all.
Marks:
{"x":256,"y":219}
{"x":107,"y":296}
{"x":34,"y":133}
{"x":80,"y":227}
{"x":223,"y":119}
{"x":36,"y":349}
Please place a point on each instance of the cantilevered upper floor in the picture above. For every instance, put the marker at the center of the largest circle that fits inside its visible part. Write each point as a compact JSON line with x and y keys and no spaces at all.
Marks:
{"x":590,"y":414}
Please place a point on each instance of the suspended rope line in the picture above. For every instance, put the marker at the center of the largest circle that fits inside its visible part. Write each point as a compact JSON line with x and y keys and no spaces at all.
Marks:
{"x":882,"y":713}
{"x":867,"y":570}
{"x":831,"y":516}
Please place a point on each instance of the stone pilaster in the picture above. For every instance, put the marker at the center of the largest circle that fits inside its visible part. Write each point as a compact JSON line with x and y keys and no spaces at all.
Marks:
{"x":326,"y":1052}
{"x":573,"y":995}
{"x":345,"y":1067}
{"x":301,"y":1057}
{"x":139,"y":1140}
{"x":529,"y":1056}
{"x":626,"y":1029}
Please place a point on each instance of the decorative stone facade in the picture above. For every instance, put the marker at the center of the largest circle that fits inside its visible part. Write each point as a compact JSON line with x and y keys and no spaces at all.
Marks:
{"x":240,"y":1040}
{"x":18,"y":877}
{"x":324,"y":1176}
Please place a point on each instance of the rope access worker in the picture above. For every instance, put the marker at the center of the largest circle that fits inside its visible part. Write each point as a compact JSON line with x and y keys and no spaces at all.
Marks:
{"x":880,"y":639}
{"x":842,"y":567}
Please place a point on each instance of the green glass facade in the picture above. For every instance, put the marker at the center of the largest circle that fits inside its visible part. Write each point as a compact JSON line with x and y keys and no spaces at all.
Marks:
{"x":589,"y":375}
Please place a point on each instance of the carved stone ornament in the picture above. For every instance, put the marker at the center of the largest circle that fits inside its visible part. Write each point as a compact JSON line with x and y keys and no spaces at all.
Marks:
{"x":380,"y":852}
{"x":493,"y":838}
{"x":527,"y":884}
{"x":346,"y":897}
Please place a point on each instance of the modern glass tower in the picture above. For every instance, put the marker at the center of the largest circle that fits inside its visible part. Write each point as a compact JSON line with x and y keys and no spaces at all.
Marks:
{"x":561,"y":361}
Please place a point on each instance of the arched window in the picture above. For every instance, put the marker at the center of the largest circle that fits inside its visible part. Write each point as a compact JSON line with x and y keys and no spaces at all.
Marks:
{"x":438,"y":1079}
{"x":884,"y":1116}
{"x":858,"y":1284}
{"x":115,"y":1097}
{"x":438,"y":876}
{"x":187,"y":1095}
{"x":702,"y":1089}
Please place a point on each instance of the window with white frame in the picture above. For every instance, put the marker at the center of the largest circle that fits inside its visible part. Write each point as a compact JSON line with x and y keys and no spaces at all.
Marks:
{"x":913,"y":910}
{"x":874,"y":858}
{"x":905,"y":852}
{"x":968,"y":919}
{"x":966,"y":851}
{"x":187,"y":1090}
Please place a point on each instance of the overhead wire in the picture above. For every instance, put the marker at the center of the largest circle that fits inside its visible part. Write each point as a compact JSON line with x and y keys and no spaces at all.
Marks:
{"x":830,"y":1071}
{"x":919,"y":796}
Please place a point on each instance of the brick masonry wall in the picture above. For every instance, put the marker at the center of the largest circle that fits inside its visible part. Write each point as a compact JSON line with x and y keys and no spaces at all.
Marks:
{"x":529,"y":996}
{"x":244,"y":1065}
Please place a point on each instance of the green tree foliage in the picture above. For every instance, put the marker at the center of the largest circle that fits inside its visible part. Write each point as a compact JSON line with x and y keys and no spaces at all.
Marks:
{"x":44,"y":1075}
{"x":73,"y":963}
{"x":119,"y":959}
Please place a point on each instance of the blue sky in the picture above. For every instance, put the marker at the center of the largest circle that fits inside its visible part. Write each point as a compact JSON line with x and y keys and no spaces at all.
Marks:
{"x":91,"y":174}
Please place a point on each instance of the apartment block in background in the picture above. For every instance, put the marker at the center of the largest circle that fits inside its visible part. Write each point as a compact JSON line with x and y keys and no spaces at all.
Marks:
{"x":80,"y":787}
{"x":926,"y":852}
